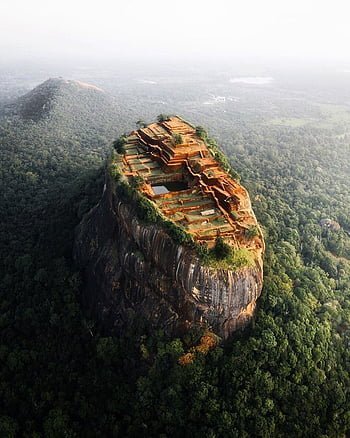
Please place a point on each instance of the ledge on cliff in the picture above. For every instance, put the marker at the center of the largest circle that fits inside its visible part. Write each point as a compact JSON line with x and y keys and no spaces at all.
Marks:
{"x":174,"y":238}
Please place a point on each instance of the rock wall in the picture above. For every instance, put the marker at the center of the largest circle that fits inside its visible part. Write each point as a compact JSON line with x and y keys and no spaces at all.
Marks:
{"x":134,"y":271}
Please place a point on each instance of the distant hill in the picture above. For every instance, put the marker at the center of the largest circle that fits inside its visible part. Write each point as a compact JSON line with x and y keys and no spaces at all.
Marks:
{"x":51,"y":137}
{"x":38,"y":102}
{"x":58,"y":97}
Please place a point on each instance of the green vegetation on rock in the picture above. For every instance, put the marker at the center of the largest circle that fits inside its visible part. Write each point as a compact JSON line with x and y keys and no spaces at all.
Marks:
{"x":119,"y":144}
{"x":215,"y":150}
{"x":223,"y":256}
{"x":177,"y":138}
{"x":145,"y":209}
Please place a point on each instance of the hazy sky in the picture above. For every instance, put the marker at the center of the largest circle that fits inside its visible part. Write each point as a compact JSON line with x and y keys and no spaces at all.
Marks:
{"x":127,"y":28}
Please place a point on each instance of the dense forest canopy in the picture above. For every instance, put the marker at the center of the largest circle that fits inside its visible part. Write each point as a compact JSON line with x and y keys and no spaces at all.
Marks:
{"x":288,"y":375}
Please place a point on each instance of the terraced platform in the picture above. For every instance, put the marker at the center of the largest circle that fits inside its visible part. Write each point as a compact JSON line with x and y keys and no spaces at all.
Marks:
{"x":188,"y":185}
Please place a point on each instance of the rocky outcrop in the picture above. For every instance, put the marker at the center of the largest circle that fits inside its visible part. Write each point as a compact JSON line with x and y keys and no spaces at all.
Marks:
{"x":137,"y":272}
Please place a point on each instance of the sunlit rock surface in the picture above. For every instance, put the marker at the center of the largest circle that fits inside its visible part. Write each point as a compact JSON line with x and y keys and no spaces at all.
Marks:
{"x":135,"y":272}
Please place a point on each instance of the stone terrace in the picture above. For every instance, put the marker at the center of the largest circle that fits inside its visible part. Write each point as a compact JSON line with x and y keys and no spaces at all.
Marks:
{"x":188,"y":185}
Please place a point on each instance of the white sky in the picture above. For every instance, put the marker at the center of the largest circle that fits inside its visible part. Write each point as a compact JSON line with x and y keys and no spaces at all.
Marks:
{"x":118,"y":28}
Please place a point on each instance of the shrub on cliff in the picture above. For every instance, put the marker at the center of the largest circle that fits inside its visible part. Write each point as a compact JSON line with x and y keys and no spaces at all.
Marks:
{"x":146,"y":211}
{"x":221,"y":249}
{"x":252,"y":231}
{"x":201,"y":132}
{"x":178,"y":234}
{"x":177,"y":139}
{"x":163,"y":117}
{"x":119,"y":145}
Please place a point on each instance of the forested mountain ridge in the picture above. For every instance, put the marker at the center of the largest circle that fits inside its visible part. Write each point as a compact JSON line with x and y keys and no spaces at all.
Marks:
{"x":40,"y":155}
{"x":61,"y":376}
{"x":57,"y":95}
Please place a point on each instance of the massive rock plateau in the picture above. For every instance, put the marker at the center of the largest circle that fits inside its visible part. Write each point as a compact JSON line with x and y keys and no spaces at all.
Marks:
{"x":135,"y":272}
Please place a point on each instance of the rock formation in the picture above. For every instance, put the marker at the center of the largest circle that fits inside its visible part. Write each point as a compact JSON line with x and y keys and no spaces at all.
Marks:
{"x":135,"y":270}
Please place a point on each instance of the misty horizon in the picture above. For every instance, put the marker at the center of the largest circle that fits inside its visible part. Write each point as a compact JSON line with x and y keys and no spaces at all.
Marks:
{"x":146,"y":33}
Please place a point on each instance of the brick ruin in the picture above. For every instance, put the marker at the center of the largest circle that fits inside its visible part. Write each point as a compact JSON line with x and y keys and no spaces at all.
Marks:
{"x":188,"y":185}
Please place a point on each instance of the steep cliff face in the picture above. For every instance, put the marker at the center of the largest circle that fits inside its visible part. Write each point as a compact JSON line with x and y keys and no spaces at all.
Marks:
{"x":133,"y":270}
